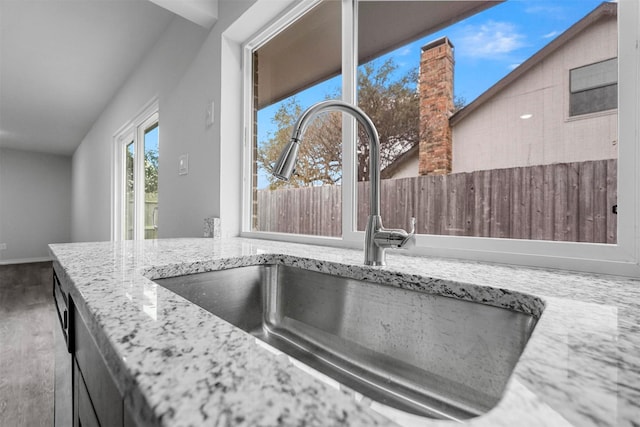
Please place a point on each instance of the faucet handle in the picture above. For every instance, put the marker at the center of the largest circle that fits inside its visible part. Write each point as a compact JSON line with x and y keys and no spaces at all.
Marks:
{"x":395,"y":238}
{"x":410,"y":240}
{"x":413,"y":225}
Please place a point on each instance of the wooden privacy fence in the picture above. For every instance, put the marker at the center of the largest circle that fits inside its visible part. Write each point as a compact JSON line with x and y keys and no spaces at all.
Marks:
{"x":150,"y":209}
{"x":309,"y":210}
{"x":566,"y":202}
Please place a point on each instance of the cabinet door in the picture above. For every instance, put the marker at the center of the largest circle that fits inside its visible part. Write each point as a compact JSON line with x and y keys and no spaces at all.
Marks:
{"x":84,"y":415}
{"x":128,"y":417}
{"x":101,"y":388}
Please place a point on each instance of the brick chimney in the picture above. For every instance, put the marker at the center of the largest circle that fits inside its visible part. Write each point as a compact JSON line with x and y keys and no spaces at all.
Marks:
{"x":436,"y":106}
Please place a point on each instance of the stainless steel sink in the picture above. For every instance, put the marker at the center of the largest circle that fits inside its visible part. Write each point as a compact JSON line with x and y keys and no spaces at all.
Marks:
{"x":424,"y":354}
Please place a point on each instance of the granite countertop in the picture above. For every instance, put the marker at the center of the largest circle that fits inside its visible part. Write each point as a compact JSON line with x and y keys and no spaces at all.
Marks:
{"x":178,"y":365}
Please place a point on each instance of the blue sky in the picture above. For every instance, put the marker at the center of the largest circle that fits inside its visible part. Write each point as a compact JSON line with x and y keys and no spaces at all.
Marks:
{"x":488,"y":46}
{"x":151,"y":139}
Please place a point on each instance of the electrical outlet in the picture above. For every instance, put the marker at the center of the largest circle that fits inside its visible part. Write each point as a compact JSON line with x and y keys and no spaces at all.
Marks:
{"x":3,"y":246}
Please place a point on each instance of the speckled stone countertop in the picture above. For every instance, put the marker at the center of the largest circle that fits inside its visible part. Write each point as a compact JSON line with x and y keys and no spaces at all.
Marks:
{"x":178,"y":365}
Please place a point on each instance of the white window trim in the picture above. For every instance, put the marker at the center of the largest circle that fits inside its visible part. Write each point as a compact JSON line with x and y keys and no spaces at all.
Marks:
{"x":132,"y":130}
{"x":349,"y":88}
{"x":622,"y":258}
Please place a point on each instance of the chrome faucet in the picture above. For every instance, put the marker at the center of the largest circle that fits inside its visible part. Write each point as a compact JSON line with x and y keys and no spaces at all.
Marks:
{"x":377,"y":238}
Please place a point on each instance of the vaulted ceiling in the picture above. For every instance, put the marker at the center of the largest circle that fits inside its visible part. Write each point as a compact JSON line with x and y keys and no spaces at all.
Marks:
{"x":61,"y":62}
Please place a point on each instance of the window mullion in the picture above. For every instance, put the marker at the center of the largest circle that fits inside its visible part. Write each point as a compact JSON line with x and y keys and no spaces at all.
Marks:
{"x":139,"y":185}
{"x":123,"y":188}
{"x":349,"y":130}
{"x":121,"y":202}
{"x":119,"y":185}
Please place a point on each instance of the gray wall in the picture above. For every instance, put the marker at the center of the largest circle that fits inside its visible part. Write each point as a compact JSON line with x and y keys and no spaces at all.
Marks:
{"x":183,"y":72}
{"x":156,"y":76}
{"x":35,"y":203}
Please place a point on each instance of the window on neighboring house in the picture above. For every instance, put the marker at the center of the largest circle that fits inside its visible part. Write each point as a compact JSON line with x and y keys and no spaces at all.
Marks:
{"x":594,"y":88}
{"x":136,"y":179}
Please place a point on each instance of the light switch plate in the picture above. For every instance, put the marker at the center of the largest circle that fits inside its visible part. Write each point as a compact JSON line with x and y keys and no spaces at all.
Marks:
{"x":3,"y":246}
{"x":209,"y":113}
{"x":183,"y":164}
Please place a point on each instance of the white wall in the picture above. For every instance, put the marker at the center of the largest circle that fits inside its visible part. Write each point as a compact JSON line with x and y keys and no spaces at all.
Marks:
{"x":35,"y":204}
{"x":156,"y":76}
{"x":494,"y":136}
{"x":186,"y":200}
{"x":409,"y":168}
{"x":183,"y":71}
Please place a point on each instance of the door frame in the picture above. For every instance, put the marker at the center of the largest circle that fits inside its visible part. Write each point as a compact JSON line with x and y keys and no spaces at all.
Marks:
{"x":133,"y":130}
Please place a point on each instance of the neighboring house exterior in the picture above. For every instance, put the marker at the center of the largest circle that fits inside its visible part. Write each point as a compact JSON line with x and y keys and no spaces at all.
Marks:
{"x":559,"y":106}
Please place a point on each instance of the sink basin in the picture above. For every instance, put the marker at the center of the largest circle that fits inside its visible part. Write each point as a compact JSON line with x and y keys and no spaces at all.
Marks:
{"x":423,"y":354}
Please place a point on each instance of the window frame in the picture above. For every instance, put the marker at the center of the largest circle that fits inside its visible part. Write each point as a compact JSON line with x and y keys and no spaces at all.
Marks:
{"x":349,"y":87}
{"x":132,"y":131}
{"x":622,"y":258}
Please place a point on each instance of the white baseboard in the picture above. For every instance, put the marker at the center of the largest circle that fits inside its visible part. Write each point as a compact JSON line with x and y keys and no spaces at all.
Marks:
{"x":24,"y":260}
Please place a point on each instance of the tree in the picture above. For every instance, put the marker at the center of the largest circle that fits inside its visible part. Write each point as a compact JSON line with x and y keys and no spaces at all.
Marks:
{"x":459,"y":102}
{"x":129,"y":174}
{"x":150,"y":171}
{"x":319,"y":159}
{"x":394,"y":108}
{"x":392,"y":104}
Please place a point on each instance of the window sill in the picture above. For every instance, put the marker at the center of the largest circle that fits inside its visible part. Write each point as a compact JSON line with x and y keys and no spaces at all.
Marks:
{"x":591,"y":115}
{"x":594,"y":257}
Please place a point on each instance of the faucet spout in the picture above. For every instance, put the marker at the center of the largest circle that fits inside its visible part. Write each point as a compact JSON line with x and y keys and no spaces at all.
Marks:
{"x":377,"y":238}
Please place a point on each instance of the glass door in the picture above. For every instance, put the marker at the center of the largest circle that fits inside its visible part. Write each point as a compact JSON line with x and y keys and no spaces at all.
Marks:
{"x":150,"y":142}
{"x":139,"y":200}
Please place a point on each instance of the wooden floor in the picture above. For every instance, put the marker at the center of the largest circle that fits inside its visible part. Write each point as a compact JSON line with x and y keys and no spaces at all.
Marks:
{"x":27,"y":319}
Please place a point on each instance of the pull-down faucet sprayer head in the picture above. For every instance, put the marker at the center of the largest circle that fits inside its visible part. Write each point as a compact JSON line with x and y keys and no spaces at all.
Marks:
{"x":286,"y":163}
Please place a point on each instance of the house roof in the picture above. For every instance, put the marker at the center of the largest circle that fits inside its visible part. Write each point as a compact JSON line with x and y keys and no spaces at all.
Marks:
{"x":393,"y":167}
{"x":606,"y":9}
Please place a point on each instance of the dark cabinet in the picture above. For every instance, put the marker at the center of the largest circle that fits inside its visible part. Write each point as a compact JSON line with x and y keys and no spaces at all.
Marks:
{"x":95,"y":400}
{"x":84,"y":415}
{"x":128,"y":418}
{"x":99,"y":389}
{"x":63,"y":379}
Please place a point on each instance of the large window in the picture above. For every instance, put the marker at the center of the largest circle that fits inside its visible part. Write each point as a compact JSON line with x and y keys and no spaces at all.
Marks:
{"x":476,"y":142}
{"x":298,"y":67}
{"x":476,"y":106}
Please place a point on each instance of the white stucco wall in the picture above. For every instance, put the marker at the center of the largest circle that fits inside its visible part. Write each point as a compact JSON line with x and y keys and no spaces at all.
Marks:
{"x":494,"y":136}
{"x":408,"y":168}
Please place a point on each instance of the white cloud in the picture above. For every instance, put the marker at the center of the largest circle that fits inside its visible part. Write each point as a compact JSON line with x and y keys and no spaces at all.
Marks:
{"x":550,"y":35}
{"x":491,"y":40}
{"x":513,"y":66}
{"x":405,"y":52}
